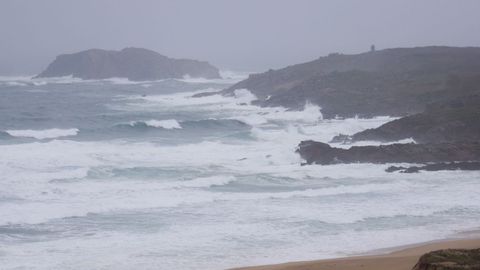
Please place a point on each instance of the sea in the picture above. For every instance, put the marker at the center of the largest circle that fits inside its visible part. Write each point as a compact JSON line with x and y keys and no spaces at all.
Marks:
{"x":115,"y":174}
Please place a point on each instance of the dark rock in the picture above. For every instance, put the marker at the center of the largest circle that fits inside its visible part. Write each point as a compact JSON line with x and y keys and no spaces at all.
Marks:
{"x":387,"y":82}
{"x":341,"y":138}
{"x":322,"y":153}
{"x":450,"y":259}
{"x":411,"y":170}
{"x":395,"y":168}
{"x":451,"y":166}
{"x":136,"y":64}
{"x":204,"y":94}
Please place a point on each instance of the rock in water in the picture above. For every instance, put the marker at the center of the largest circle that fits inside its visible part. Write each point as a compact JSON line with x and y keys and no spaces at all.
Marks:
{"x":322,"y":153}
{"x":451,"y":166}
{"x":456,"y":120}
{"x":450,"y":259}
{"x":136,"y":64}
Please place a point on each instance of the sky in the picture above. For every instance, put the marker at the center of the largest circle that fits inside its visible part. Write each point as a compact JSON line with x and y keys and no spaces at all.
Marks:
{"x":243,"y":35}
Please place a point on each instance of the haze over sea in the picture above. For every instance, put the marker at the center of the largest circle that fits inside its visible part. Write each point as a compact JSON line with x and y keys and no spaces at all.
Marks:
{"x":114,"y":174}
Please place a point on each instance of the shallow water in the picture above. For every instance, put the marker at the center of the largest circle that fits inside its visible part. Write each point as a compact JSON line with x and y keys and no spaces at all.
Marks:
{"x":114,"y":174}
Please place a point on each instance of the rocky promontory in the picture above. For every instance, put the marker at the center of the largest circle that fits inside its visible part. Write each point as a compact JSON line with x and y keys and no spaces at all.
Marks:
{"x":321,"y":153}
{"x":136,"y":64}
{"x":394,"y":82}
{"x":442,"y":166}
{"x":447,"y":131}
{"x":455,"y":121}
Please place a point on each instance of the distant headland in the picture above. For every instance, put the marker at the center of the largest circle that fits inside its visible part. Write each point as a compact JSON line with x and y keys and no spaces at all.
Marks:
{"x":136,"y":64}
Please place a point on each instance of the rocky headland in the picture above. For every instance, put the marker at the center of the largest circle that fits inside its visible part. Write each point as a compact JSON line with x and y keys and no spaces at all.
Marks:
{"x":445,"y":132}
{"x":394,"y":82}
{"x":457,"y":120}
{"x":136,"y":64}
{"x":321,"y":153}
{"x":435,"y":91}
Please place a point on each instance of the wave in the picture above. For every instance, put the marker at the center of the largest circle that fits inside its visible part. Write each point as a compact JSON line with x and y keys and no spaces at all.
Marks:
{"x":172,"y":124}
{"x":166,"y":166}
{"x":227,"y":77}
{"x":4,"y":135}
{"x":203,"y":182}
{"x":269,"y":124}
{"x":166,"y":124}
{"x":43,"y":134}
{"x":237,"y":106}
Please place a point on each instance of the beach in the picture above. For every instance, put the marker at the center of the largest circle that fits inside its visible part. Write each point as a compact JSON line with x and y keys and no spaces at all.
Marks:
{"x":402,"y":259}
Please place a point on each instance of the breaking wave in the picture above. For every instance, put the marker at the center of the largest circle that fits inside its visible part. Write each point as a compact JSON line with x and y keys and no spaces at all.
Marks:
{"x":166,"y":124}
{"x":44,"y":133}
{"x":227,"y":77}
{"x":211,"y":124}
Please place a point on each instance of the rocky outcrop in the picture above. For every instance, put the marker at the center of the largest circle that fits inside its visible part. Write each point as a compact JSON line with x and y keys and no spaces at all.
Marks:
{"x":446,"y":132}
{"x":457,"y":120}
{"x":450,"y":259}
{"x":450,"y":166}
{"x":136,"y":64}
{"x":387,"y":82}
{"x":321,"y":153}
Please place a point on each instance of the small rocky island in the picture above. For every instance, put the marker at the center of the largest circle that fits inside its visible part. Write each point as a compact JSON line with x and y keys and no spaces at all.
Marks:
{"x":136,"y":64}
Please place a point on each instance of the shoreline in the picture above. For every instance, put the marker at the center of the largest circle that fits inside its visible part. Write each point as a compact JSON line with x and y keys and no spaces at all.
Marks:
{"x":395,"y":258}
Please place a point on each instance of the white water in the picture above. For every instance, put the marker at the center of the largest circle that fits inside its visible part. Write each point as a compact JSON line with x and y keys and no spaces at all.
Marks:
{"x":219,"y":202}
{"x":43,"y":134}
{"x":167,"y":124}
{"x":227,"y":77}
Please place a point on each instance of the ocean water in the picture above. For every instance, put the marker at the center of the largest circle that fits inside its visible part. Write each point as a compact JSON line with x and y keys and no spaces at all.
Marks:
{"x":113,"y":174}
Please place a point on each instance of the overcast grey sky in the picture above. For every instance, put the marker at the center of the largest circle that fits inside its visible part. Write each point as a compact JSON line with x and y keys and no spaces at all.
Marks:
{"x":249,"y":35}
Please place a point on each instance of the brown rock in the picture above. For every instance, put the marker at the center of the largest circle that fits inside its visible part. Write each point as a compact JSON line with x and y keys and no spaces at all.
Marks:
{"x":450,"y":259}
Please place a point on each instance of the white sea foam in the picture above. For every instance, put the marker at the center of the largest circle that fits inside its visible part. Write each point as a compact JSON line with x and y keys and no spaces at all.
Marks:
{"x":227,"y":77}
{"x":16,"y":83}
{"x":238,"y":106}
{"x":43,"y":134}
{"x":203,"y":222}
{"x":225,"y":211}
{"x":166,"y":124}
{"x":190,"y":205}
{"x":202,"y":182}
